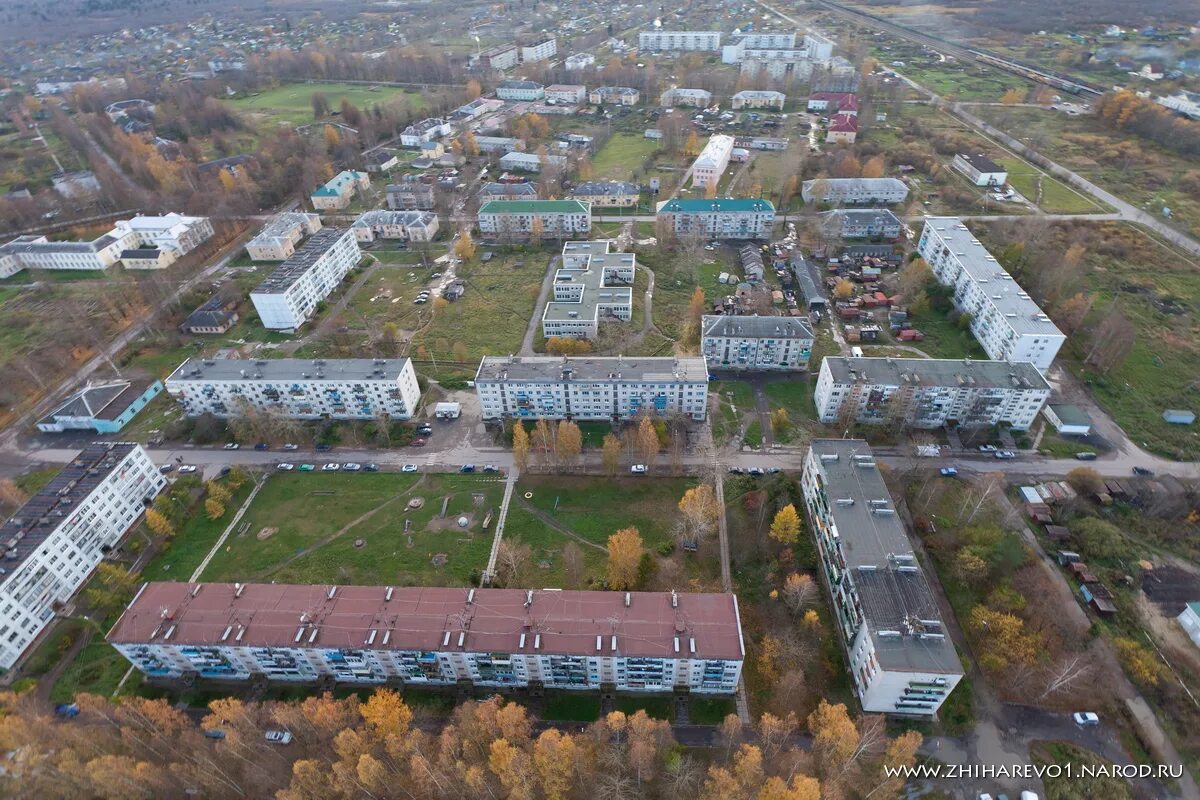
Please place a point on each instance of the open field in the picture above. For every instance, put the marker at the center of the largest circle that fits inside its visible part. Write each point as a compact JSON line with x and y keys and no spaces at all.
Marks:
{"x":1054,"y":196}
{"x":309,"y":525}
{"x":292,"y":102}
{"x":621,"y":156}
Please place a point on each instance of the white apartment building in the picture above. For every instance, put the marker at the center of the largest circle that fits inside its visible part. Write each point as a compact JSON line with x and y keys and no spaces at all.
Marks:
{"x":289,"y":295}
{"x":655,"y":41}
{"x":519,"y":219}
{"x":1004,"y":319}
{"x":752,"y":98}
{"x":756,"y":342}
{"x":337,"y":193}
{"x":542,"y":50}
{"x":566,"y":93}
{"x":54,"y":542}
{"x":279,"y":237}
{"x":729,"y":218}
{"x":498,"y":58}
{"x":979,"y":169}
{"x":609,"y":194}
{"x":530,"y":387}
{"x":520,"y":90}
{"x":1182,"y":102}
{"x":592,"y":285}
{"x":614,"y":95}
{"x":410,"y":196}
{"x":530,"y":162}
{"x":297,"y":388}
{"x":710,"y":165}
{"x":692,"y":98}
{"x":429,"y":636}
{"x":578,"y":61}
{"x":174,"y":233}
{"x":854,"y":191}
{"x":734,"y":53}
{"x":901,"y":657}
{"x":409,"y":226}
{"x":425,"y":130}
{"x":929,"y":393}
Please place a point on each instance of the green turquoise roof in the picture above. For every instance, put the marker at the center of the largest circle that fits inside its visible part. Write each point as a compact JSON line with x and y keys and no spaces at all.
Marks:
{"x":533,"y":206}
{"x":718,"y":204}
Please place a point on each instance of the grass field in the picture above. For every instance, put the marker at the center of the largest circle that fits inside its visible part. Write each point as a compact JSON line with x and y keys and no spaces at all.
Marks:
{"x":621,"y":156}
{"x":735,"y":399}
{"x":292,"y":102}
{"x":943,"y":339}
{"x":192,"y":543}
{"x":312,"y":521}
{"x":1055,"y":197}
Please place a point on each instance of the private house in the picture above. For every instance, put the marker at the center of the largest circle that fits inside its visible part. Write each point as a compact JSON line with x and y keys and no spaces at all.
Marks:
{"x":753,"y":98}
{"x":103,"y":407}
{"x":756,"y":343}
{"x":214,"y":316}
{"x":279,"y":237}
{"x":340,"y":190}
{"x":380,"y":161}
{"x":591,"y":286}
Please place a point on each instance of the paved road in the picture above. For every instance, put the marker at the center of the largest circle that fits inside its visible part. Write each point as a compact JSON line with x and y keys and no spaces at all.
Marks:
{"x":538,"y":309}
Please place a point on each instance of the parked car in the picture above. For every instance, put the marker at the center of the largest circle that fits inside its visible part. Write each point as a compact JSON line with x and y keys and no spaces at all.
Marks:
{"x":1145,"y":473}
{"x":290,"y":446}
{"x":214,"y":733}
{"x":186,"y":468}
{"x":490,"y":468}
{"x":371,"y":468}
{"x":1004,"y":454}
{"x":418,"y":301}
{"x":417,"y":443}
{"x":331,"y":467}
{"x":948,"y":472}
{"x":1088,"y":456}
{"x":736,"y":470}
{"x":285,"y":467}
{"x":232,"y":446}
{"x":465,"y":468}
{"x":279,"y":737}
{"x":307,"y":467}
{"x":774,"y":471}
{"x":352,"y":466}
{"x":425,"y":429}
{"x":987,"y":448}
{"x":322,"y":448}
{"x":756,"y":471}
{"x":409,"y":468}
{"x":638,"y":469}
{"x":1086,"y":719}
{"x":165,"y":468}
{"x":262,"y":446}
{"x":67,"y":710}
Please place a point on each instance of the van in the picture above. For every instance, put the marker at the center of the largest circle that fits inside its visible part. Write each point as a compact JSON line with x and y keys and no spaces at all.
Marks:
{"x":856,"y":352}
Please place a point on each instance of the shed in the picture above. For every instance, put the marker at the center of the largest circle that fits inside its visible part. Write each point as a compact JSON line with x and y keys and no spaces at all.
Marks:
{"x":1097,"y":596}
{"x":1176,"y":416}
{"x":1067,"y":556}
{"x":1068,"y":420}
{"x":1058,"y":533}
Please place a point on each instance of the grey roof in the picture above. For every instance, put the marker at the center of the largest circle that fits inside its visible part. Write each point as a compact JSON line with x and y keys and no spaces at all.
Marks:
{"x":614,"y":90}
{"x":93,"y":400}
{"x":525,"y":189}
{"x":863,"y":216}
{"x":892,"y":587}
{"x":598,"y":287}
{"x":29,"y":244}
{"x":603,"y":188}
{"x":613,"y":370}
{"x":300,"y":261}
{"x":1069,"y":414}
{"x":141,"y":252}
{"x":202,"y":370}
{"x":865,"y":184}
{"x":981,"y":162}
{"x":280,"y":225}
{"x":756,"y":327}
{"x":65,"y":490}
{"x":937,"y":372}
{"x":808,"y":287}
{"x":1005,"y":295}
{"x":519,"y":84}
{"x":385,"y":217}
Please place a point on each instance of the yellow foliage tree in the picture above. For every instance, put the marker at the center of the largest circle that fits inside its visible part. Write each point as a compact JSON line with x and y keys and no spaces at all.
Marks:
{"x":520,"y":445}
{"x":214,"y":508}
{"x":786,"y":525}
{"x":464,"y":248}
{"x":625,"y":549}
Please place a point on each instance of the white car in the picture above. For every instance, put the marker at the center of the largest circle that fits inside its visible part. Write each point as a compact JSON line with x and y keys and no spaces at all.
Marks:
{"x":279,"y":737}
{"x":352,"y":467}
{"x":638,"y":469}
{"x":1086,"y":719}
{"x":331,"y":467}
{"x":232,"y":446}
{"x":290,"y":446}
{"x":409,"y":468}
{"x":285,"y":467}
{"x":186,"y":468}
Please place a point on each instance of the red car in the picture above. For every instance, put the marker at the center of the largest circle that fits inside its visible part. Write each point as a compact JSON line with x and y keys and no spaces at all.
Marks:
{"x":417,"y":443}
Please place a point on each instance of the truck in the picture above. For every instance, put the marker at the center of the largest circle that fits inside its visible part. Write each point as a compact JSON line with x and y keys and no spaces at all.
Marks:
{"x":928,"y":451}
{"x":447,"y":410}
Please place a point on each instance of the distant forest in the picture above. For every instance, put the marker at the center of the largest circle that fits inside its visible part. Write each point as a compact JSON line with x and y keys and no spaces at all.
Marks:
{"x":1053,"y":15}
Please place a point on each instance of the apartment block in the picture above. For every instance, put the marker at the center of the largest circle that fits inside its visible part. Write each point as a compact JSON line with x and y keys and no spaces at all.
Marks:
{"x":507,"y":191}
{"x":499,"y":144}
{"x":279,"y":237}
{"x":578,"y":61}
{"x":691,"y":98}
{"x":500,"y":58}
{"x":530,"y":387}
{"x":424,"y":131}
{"x":430,"y":636}
{"x":655,"y":41}
{"x":710,"y":165}
{"x":521,"y":219}
{"x":340,"y":190}
{"x":751,"y":98}
{"x":54,"y":542}
{"x":608,"y":194}
{"x":540,"y":50}
{"x":530,"y":162}
{"x":930,"y":393}
{"x":566,"y":93}
{"x":730,"y":218}
{"x":289,"y":295}
{"x":862,"y":223}
{"x":854,"y":191}
{"x":734,"y":52}
{"x":614,"y":95}
{"x":901,"y":658}
{"x":591,"y":286}
{"x":756,"y":342}
{"x":520,"y":90}
{"x":297,"y":388}
{"x":408,"y":226}
{"x":1004,"y":319}
{"x":410,"y":196}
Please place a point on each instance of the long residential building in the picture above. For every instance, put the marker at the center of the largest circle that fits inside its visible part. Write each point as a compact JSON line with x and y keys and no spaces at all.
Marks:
{"x":929,"y":393}
{"x":279,"y":237}
{"x":297,"y":388}
{"x":539,"y":50}
{"x":425,"y":130}
{"x":693,"y":98}
{"x":410,"y":196}
{"x":654,"y":41}
{"x":710,"y":165}
{"x":755,"y":98}
{"x":1004,"y":319}
{"x":854,"y":191}
{"x":408,"y":226}
{"x":607,"y":193}
{"x":498,"y":58}
{"x":591,"y":286}
{"x":289,"y":295}
{"x":54,"y":542}
{"x":730,"y":218}
{"x":862,"y":223}
{"x":529,"y":387}
{"x":756,"y":342}
{"x":520,"y":219}
{"x":627,"y":641}
{"x":614,"y":95}
{"x":516,"y":89}
{"x":901,"y":658}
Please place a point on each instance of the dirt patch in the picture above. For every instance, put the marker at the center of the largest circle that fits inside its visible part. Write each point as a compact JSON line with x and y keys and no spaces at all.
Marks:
{"x":416,"y":503}
{"x":450,"y":523}
{"x":266,"y":533}
{"x":439,"y":559}
{"x":1168,"y":634}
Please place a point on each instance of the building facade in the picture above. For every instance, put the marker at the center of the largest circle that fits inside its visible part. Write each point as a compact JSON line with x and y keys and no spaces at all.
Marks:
{"x":295,"y":388}
{"x":710,"y":165}
{"x":541,"y":50}
{"x":56,"y":540}
{"x":862,"y":223}
{"x":608,"y":194}
{"x":614,"y":95}
{"x":424,"y":131}
{"x":843,"y":129}
{"x":929,"y":393}
{"x":591,"y":388}
{"x":756,"y":343}
{"x":530,"y":162}
{"x":736,"y":218}
{"x":430,"y":636}
{"x":520,"y":90}
{"x":279,"y":237}
{"x":854,"y":191}
{"x":408,"y":226}
{"x":578,"y":61}
{"x":656,"y":41}
{"x":980,"y":170}
{"x":104,"y":407}
{"x":566,"y":94}
{"x":752,"y":98}
{"x":340,"y":190}
{"x":289,"y":295}
{"x":1004,"y":320}
{"x":690,"y":98}
{"x":522,"y":219}
{"x":591,"y":286}
{"x":410,"y":196}
{"x":500,"y":58}
{"x":901,"y":658}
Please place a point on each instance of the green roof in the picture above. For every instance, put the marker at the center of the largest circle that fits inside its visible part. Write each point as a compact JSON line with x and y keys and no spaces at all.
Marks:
{"x":533,"y":207}
{"x":717,"y":204}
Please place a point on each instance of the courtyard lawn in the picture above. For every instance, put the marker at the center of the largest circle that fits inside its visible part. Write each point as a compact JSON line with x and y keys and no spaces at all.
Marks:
{"x":734,"y":398}
{"x":304,"y":528}
{"x":177,"y":560}
{"x":292,"y":102}
{"x":571,"y":707}
{"x":710,"y":710}
{"x":793,"y":394}
{"x":1055,"y":197}
{"x":622,"y":156}
{"x":655,"y":707}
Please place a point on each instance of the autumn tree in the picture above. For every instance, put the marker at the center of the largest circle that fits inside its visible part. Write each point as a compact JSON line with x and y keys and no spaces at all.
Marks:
{"x":843,"y":289}
{"x":520,"y":445}
{"x":692,"y":146}
{"x":1086,"y":480}
{"x":158,"y":523}
{"x":217,"y":491}
{"x":695,"y":314}
{"x":568,"y":444}
{"x":512,"y":562}
{"x":542,"y":439}
{"x":214,"y":508}
{"x":799,"y":592}
{"x":835,"y":738}
{"x":780,"y":421}
{"x":647,"y":441}
{"x":625,"y":550}
{"x":1142,"y":666}
{"x":700,"y":511}
{"x":1112,"y":341}
{"x":786,"y":525}
{"x":464,"y":247}
{"x":1004,"y":642}
{"x":610,"y":454}
{"x":1012,"y":97}
{"x":875,"y":167}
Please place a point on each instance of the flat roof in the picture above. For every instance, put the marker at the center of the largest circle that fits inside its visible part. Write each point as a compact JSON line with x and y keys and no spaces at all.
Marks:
{"x":41,"y":515}
{"x":281,"y":225}
{"x":301,"y":261}
{"x":718,"y":206}
{"x":965,"y":372}
{"x":981,"y":163}
{"x":1069,"y":414}
{"x":594,"y":275}
{"x":1003,"y":292}
{"x":901,"y":614}
{"x":201,"y":370}
{"x":598,"y":369}
{"x":556,"y":622}
{"x":756,"y":327}
{"x":533,"y":206}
